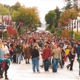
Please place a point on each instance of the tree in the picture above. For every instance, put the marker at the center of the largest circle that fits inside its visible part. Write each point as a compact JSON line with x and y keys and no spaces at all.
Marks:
{"x":50,"y":18}
{"x":75,"y":4}
{"x":65,"y":33}
{"x":3,"y":10}
{"x":59,"y":24}
{"x":53,"y":29}
{"x":11,"y":30}
{"x":58,"y":32}
{"x":58,"y":12}
{"x":64,"y":17}
{"x":71,"y":4}
{"x":68,"y":4}
{"x":29,"y":16}
{"x":32,"y":16}
{"x":73,"y":14}
{"x":68,"y":14}
{"x":16,"y":6}
{"x":5,"y":34}
{"x":21,"y":31}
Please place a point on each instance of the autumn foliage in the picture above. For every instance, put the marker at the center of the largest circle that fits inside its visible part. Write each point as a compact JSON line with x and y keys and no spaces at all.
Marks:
{"x":59,"y":25}
{"x":67,"y":16}
{"x":65,"y":33}
{"x":11,"y":30}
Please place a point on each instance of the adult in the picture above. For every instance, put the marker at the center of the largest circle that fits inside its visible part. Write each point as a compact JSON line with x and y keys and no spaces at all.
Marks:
{"x":78,"y":54}
{"x":35,"y":58}
{"x":5,"y":47}
{"x":56,"y":53}
{"x":46,"y":55}
{"x":19,"y":48}
{"x":27,"y":54}
{"x":2,"y":52}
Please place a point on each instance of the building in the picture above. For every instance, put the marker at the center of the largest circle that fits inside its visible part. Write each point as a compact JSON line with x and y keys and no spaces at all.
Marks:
{"x":5,"y":19}
{"x":78,"y":3}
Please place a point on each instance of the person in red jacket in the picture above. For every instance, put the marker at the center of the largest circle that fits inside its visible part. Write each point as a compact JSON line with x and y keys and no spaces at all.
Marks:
{"x":46,"y":56}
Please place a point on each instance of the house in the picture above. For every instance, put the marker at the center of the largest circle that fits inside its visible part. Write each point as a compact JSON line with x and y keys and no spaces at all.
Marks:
{"x":5,"y":19}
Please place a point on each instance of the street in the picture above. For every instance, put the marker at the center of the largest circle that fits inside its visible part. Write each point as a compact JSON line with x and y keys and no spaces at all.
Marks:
{"x":24,"y":72}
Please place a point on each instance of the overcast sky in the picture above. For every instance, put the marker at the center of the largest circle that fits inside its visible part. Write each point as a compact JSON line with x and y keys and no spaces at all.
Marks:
{"x":43,"y":5}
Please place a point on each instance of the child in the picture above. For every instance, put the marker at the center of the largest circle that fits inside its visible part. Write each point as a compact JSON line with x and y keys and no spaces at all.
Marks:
{"x":6,"y":64}
{"x":1,"y":68}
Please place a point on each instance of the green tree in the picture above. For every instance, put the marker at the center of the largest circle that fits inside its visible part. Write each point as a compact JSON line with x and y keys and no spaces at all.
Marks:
{"x":5,"y":34}
{"x":50,"y":18}
{"x":59,"y":32}
{"x":21,"y":31}
{"x":29,"y":16}
{"x":16,"y":6}
{"x":32,"y":16}
{"x":53,"y":29}
{"x":58,"y":13}
{"x":3,"y":10}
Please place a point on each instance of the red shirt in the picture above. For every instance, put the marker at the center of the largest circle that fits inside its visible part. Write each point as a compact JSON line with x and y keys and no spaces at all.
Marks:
{"x":46,"y":53}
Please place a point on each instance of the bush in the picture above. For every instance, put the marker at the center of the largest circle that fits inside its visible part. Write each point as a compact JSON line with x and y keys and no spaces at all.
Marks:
{"x":77,"y":36}
{"x":53,"y":29}
{"x":58,"y":32}
{"x":21,"y":31}
{"x":5,"y":34}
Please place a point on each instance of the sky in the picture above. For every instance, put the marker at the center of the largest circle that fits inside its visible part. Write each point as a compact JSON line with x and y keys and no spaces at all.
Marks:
{"x":43,"y":5}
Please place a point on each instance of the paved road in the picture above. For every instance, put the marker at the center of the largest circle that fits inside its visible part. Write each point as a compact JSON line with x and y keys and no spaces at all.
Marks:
{"x":24,"y":72}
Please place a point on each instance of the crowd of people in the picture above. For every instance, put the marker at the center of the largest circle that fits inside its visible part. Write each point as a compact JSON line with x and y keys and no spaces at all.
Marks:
{"x":53,"y":49}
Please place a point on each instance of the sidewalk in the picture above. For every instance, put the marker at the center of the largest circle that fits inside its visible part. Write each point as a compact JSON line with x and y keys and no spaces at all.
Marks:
{"x":24,"y":72}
